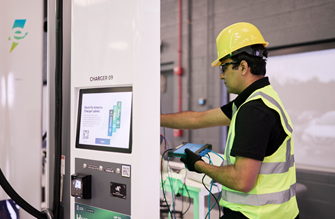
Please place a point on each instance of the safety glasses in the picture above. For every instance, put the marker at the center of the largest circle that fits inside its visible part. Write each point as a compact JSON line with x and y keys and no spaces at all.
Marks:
{"x":224,"y":66}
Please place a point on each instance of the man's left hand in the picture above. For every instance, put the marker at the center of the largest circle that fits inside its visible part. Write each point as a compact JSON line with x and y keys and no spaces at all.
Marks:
{"x":190,"y":160}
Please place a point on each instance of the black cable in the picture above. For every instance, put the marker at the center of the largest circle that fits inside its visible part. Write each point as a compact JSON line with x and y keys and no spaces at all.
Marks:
{"x":210,"y":197}
{"x":182,"y":197}
{"x":57,"y":208}
{"x":162,"y":168}
{"x":172,"y":191}
{"x":213,"y":194}
{"x":189,"y":197}
{"x":18,"y":199}
{"x":44,"y":136}
{"x":163,"y":183}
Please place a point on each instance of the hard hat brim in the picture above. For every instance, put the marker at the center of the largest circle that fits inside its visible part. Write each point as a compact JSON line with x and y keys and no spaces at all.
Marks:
{"x":216,"y":63}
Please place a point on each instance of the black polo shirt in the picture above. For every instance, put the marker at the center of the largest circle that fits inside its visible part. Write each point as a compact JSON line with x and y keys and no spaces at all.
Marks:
{"x":258,"y":130}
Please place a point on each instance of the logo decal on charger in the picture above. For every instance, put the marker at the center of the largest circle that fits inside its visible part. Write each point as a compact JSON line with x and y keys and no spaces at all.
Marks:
{"x":17,"y":33}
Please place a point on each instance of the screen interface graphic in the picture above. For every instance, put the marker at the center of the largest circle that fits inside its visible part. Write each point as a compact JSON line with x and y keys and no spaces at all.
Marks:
{"x":105,"y":119}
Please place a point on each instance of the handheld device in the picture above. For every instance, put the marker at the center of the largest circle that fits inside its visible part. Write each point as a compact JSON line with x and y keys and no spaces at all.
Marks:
{"x":195,"y":148}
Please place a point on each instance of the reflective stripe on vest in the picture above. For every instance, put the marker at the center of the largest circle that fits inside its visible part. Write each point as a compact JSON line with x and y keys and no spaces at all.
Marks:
{"x":259,"y":199}
{"x":274,"y":102}
{"x":276,"y":167}
{"x":279,"y":167}
{"x":266,"y":168}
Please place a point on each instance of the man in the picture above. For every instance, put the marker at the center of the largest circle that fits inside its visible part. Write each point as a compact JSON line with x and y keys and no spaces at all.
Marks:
{"x":258,"y":177}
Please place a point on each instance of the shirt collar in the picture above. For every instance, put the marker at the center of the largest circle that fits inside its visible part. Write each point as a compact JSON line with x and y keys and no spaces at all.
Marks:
{"x":243,"y":96}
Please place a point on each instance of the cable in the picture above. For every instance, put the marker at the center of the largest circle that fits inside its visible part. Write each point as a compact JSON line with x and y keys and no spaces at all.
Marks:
{"x":57,"y":205}
{"x":164,"y":141}
{"x":163,"y":183}
{"x":209,"y":201}
{"x":211,"y":194}
{"x":173,"y":198}
{"x":216,"y":201}
{"x":219,"y":196}
{"x":182,"y":197}
{"x":216,"y":185}
{"x":18,"y":199}
{"x":44,"y":136}
{"x":188,"y":193}
{"x":172,"y":190}
{"x":49,"y":213}
{"x":210,"y":161}
{"x":210,"y":191}
{"x":217,"y":154}
{"x":189,"y":198}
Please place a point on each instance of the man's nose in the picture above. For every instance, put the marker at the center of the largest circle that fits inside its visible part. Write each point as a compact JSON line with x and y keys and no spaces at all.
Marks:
{"x":222,"y":76}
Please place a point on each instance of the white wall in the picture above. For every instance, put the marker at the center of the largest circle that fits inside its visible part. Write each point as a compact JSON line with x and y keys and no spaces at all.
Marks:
{"x":21,"y":98}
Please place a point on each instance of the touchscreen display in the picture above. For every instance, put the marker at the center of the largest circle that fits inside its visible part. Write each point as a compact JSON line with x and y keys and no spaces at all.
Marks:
{"x":104,"y":121}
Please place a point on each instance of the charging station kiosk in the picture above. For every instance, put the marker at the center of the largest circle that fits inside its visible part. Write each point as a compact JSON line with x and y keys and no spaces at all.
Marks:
{"x":115,"y":81}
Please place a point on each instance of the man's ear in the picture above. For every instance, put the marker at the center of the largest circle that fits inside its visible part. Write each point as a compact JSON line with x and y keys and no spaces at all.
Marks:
{"x":244,"y":67}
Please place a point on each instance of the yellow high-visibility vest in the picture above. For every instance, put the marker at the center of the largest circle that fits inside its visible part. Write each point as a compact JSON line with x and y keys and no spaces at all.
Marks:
{"x":274,"y":193}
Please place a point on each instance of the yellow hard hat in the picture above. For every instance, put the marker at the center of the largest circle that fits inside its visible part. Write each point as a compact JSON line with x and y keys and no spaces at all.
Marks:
{"x":235,"y":37}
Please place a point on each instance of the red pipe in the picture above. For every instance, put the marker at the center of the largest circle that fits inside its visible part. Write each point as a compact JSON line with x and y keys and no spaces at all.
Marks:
{"x":178,"y":70}
{"x":179,"y":58}
{"x":180,"y":102}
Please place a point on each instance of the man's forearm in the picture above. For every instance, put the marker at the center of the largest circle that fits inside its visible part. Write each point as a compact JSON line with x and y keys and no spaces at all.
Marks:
{"x":182,"y":120}
{"x":225,"y":175}
{"x":195,"y":120}
{"x":240,"y":176}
